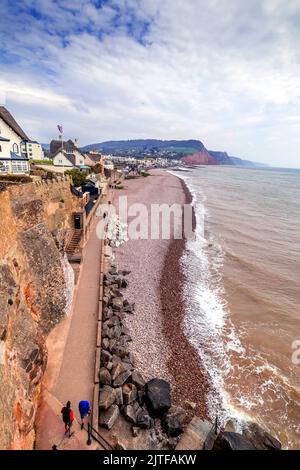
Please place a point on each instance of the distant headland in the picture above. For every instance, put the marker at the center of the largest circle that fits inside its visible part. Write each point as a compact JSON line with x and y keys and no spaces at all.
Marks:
{"x":191,"y":152}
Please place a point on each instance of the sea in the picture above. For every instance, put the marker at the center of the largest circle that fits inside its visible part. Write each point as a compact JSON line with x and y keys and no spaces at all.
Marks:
{"x":242,"y":294}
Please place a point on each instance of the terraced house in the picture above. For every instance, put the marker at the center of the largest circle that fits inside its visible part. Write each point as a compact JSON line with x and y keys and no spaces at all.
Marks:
{"x":13,"y":143}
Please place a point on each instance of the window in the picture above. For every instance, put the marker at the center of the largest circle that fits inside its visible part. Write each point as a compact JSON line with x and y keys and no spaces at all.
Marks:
{"x":15,"y":148}
{"x":4,"y":168}
{"x":19,"y":167}
{"x":0,"y":148}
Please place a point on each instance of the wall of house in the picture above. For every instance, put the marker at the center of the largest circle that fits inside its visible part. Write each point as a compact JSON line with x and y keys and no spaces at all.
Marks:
{"x":8,"y":133}
{"x":35,"y":294}
{"x":61,"y":160}
{"x":79,"y":158}
{"x":34,"y":151}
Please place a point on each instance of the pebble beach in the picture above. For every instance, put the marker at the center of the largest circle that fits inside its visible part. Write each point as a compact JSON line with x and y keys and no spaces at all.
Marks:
{"x":155,"y":282}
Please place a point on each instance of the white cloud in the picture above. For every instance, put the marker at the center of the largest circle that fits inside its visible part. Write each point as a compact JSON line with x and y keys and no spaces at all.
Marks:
{"x":224,"y":72}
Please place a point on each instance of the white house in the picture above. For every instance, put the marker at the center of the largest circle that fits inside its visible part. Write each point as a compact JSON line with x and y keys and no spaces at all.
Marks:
{"x":66,"y":154}
{"x":12,"y":140}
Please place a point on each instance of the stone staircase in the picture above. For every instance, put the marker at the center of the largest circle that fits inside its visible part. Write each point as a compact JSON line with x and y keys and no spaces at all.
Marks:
{"x":74,"y":243}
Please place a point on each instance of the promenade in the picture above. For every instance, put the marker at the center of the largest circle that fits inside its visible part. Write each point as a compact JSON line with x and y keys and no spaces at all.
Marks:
{"x":71,"y":345}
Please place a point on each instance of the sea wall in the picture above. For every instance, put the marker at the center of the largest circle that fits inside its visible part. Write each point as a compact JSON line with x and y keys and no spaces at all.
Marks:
{"x":35,"y":225}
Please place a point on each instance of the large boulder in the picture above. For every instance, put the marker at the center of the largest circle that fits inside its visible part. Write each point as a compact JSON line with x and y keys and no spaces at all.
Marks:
{"x":158,"y":397}
{"x":174,"y":421}
{"x":232,"y":441}
{"x":260,"y":438}
{"x":109,"y":417}
{"x":107,"y":397}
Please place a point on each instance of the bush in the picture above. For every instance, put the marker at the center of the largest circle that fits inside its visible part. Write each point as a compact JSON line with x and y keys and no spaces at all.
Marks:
{"x":41,"y":162}
{"x":78,"y":177}
{"x":10,"y":302}
{"x":145,"y":174}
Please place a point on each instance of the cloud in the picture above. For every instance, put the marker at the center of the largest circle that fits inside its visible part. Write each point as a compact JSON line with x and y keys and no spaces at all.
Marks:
{"x":225,"y":72}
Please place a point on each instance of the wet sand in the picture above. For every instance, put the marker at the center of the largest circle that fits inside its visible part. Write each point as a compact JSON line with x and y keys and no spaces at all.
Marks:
{"x":159,"y":344}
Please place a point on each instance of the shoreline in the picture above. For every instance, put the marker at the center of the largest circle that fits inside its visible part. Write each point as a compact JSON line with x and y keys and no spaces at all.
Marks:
{"x":184,"y":364}
{"x":165,"y":351}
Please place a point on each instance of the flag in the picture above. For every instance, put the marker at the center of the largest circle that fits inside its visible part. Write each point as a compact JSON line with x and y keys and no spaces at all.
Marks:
{"x":60,"y":128}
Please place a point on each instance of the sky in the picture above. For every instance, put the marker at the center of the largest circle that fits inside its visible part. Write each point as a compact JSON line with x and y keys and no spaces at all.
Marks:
{"x":224,"y":72}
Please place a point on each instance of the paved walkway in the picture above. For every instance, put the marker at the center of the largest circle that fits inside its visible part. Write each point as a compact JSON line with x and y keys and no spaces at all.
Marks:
{"x":71,"y":345}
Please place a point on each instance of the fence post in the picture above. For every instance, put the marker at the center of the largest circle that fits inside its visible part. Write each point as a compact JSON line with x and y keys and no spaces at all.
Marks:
{"x":89,"y":441}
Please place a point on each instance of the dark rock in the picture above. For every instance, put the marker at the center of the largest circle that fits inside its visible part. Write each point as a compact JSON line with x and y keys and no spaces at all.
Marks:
{"x":137,"y":380}
{"x":117,"y":370}
{"x":130,"y":358}
{"x":105,"y":357}
{"x":129,"y":308}
{"x":107,"y":397}
{"x":121,"y":379}
{"x":232,"y":441}
{"x":117,"y":304}
{"x":129,"y":393}
{"x":129,"y":413}
{"x":125,"y":272}
{"x":261,"y":439}
{"x":124,"y":340}
{"x":124,"y":283}
{"x":115,"y":332}
{"x":174,"y":421}
{"x":141,"y":396}
{"x":158,"y":397}
{"x":119,"y":396}
{"x":125,"y":330}
{"x":144,"y":420}
{"x":113,"y":270}
{"x":116,"y":359}
{"x":104,"y":376}
{"x":135,"y":431}
{"x":107,"y":313}
{"x":109,"y":365}
{"x":109,"y":417}
{"x":120,"y":351}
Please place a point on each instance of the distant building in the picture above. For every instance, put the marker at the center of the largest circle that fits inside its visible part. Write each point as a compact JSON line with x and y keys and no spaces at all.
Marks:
{"x":13,"y":141}
{"x":66,"y":154}
{"x":33,"y":149}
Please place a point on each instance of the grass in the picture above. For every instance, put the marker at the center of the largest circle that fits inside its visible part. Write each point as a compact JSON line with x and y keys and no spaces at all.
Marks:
{"x":145,"y":174}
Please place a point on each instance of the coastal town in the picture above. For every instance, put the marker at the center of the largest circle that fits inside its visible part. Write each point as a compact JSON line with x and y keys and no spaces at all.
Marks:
{"x":72,"y":327}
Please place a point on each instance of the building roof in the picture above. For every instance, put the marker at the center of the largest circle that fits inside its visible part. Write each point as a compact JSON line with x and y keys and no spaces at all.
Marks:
{"x":95,"y":157}
{"x":11,"y":122}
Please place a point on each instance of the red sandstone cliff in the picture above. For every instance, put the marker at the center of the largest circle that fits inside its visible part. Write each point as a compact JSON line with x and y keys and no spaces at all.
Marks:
{"x":34,"y":227}
{"x":200,"y":158}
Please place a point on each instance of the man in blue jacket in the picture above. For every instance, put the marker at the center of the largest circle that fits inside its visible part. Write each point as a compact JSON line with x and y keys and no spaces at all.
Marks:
{"x":84,"y":410}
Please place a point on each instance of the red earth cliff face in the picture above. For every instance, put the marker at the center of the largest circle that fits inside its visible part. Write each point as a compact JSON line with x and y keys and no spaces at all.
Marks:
{"x":200,"y":158}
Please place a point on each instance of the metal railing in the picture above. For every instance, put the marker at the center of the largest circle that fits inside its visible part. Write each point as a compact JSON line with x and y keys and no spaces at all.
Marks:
{"x":93,"y":434}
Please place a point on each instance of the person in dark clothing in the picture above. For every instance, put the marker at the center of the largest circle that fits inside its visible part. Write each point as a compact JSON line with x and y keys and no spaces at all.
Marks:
{"x":68,"y":417}
{"x":84,"y":410}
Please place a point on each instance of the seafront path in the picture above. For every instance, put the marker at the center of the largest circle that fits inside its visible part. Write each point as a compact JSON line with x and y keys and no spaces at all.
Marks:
{"x":70,"y":369}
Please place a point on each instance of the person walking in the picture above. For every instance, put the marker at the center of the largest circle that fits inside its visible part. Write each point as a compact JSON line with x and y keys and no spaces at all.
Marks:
{"x":68,"y":417}
{"x":84,"y":410}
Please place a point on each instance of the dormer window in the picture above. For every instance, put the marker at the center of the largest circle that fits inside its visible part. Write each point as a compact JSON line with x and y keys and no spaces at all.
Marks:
{"x":15,"y":148}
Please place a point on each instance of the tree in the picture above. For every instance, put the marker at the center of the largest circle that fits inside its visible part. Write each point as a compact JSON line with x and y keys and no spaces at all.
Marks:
{"x":78,"y":177}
